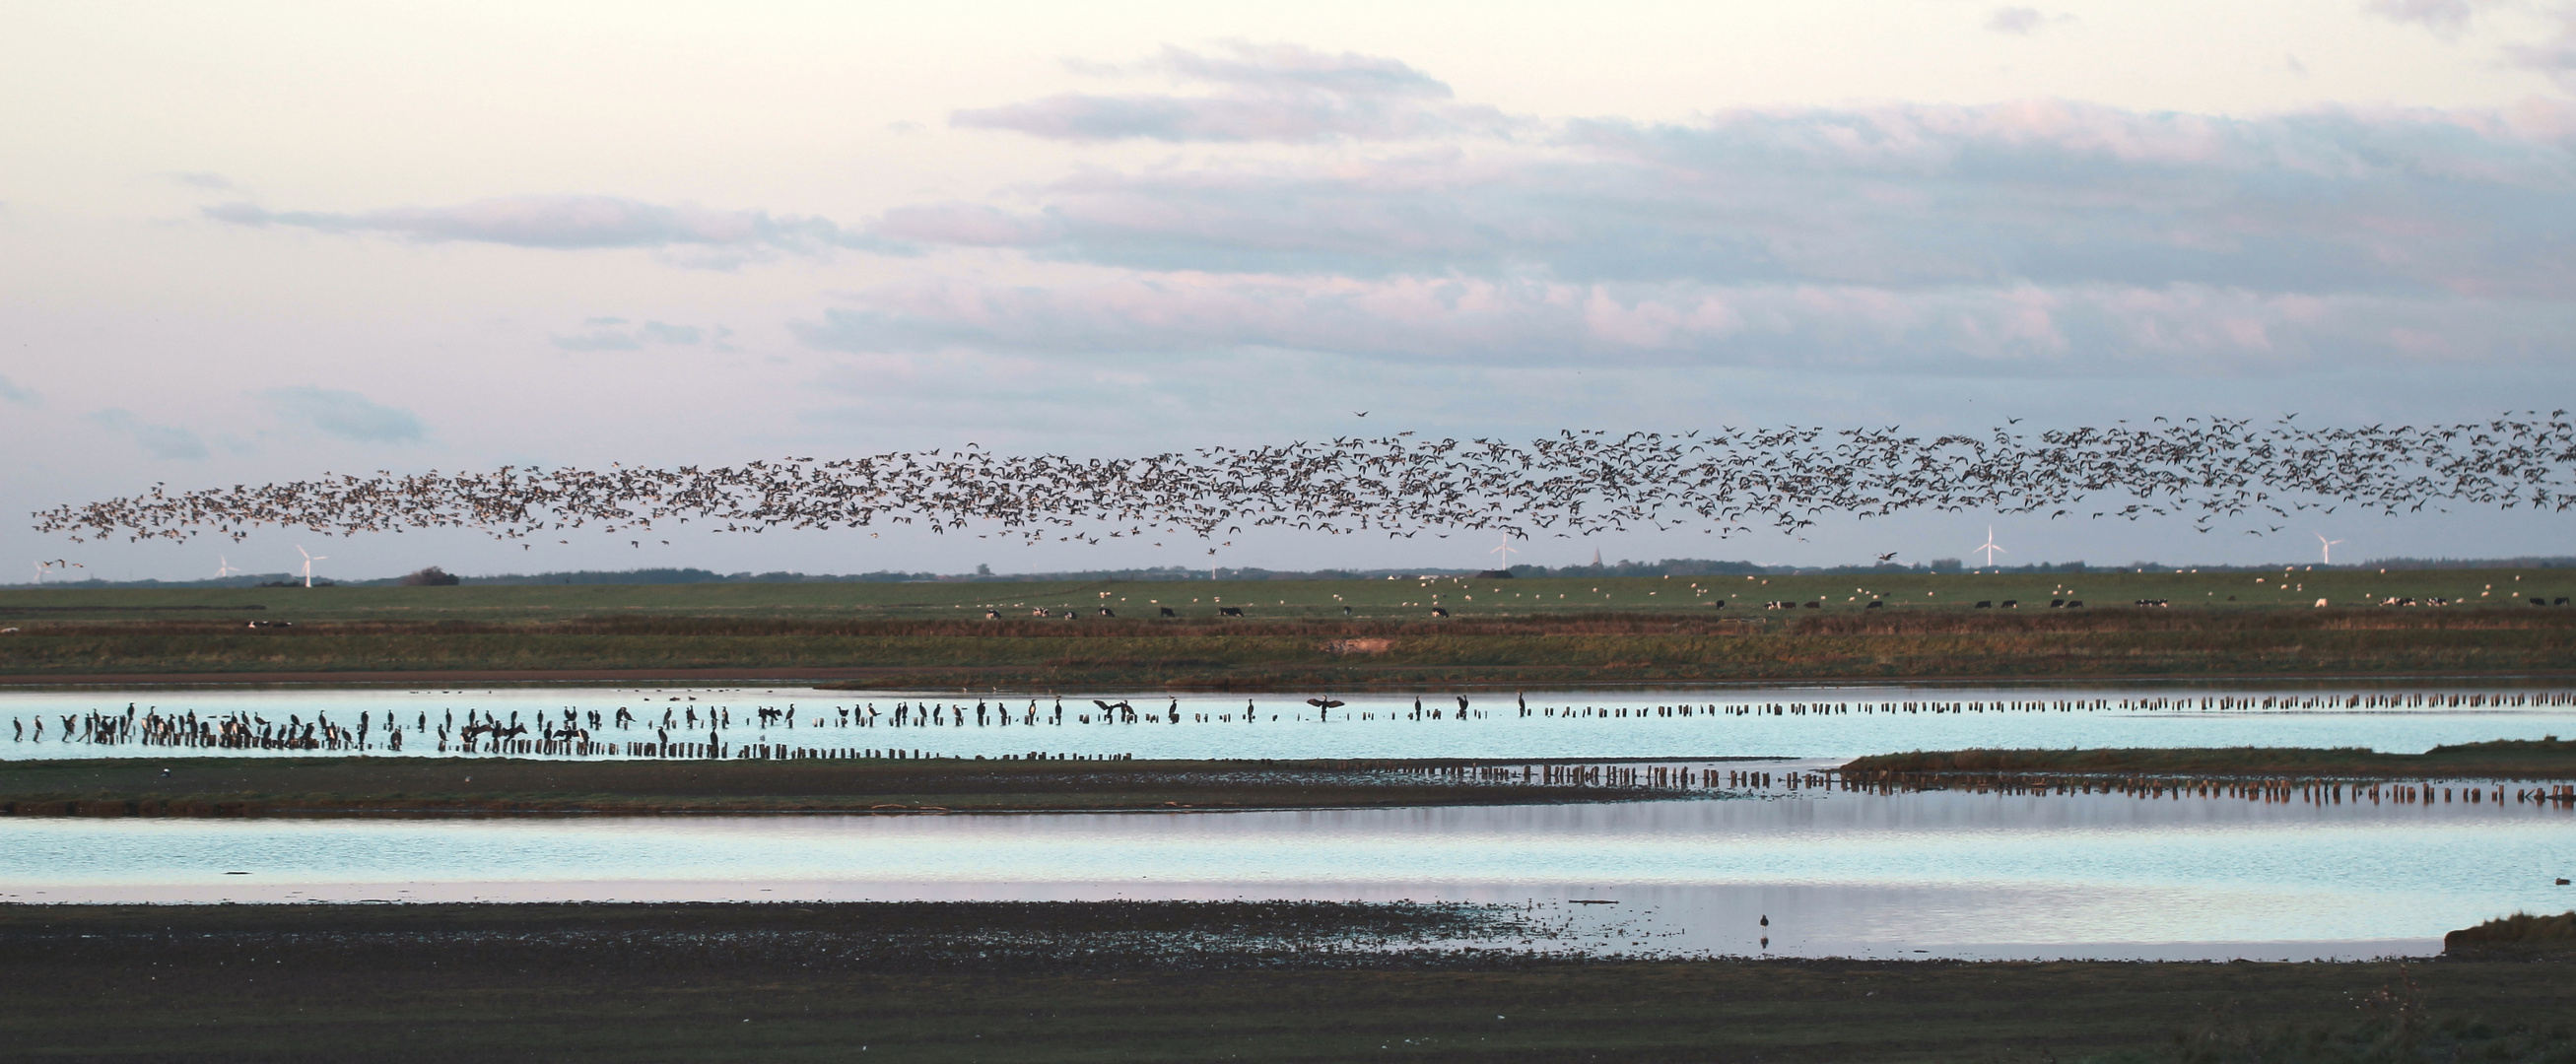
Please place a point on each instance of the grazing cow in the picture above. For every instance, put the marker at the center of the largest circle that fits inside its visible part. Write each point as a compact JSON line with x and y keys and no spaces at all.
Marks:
{"x":2539,"y":602}
{"x":1346,"y":611}
{"x":1105,"y":612}
{"x":1874,"y":604}
{"x":1167,"y":612}
{"x":2561,"y":602}
{"x":2075,"y":604}
{"x":1438,"y":612}
{"x":992,"y":615}
{"x":1229,"y":611}
{"x":1816,"y":605}
{"x":1985,"y":604}
{"x":2012,"y":604}
{"x":2057,"y":604}
{"x":1719,"y":604}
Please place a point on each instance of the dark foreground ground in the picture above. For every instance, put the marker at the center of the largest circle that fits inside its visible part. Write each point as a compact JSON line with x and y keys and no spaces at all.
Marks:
{"x":1155,"y":981}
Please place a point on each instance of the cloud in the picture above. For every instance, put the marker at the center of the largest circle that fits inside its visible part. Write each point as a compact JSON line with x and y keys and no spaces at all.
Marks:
{"x":203,"y":180}
{"x":573,"y":223}
{"x":1281,"y":93}
{"x":12,"y":391}
{"x":2555,"y":57}
{"x":2045,"y":192}
{"x":608,"y":334}
{"x":2017,"y":20}
{"x":2445,"y":17}
{"x":2079,"y":330}
{"x":347,"y":415}
{"x":2037,"y":237}
{"x":161,"y":441}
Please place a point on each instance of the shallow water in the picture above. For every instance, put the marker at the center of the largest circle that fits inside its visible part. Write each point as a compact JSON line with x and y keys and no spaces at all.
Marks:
{"x":1837,"y":873}
{"x":1603,"y":723}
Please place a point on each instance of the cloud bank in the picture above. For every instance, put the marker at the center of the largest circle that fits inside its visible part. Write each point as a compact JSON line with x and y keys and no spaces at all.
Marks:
{"x":617,"y":334}
{"x":345,"y":415}
{"x":2038,"y":237}
{"x":2042,"y":237}
{"x":159,"y":441}
{"x":570,"y":223}
{"x":1282,"y":93}
{"x":11,"y":391}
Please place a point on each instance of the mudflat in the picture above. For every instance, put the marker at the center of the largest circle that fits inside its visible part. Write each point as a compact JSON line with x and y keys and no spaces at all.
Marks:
{"x":1155,"y":981}
{"x":304,"y":786}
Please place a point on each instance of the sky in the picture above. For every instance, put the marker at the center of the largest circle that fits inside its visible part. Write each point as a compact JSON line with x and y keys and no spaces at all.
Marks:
{"x":254,"y":242}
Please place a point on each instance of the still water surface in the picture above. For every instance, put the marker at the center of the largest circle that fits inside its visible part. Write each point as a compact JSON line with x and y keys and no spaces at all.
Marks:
{"x":1837,"y":873}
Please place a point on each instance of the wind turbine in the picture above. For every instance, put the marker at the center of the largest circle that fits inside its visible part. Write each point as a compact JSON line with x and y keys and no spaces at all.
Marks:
{"x":1506,"y":550}
{"x":309,"y":559}
{"x":1990,"y":548}
{"x":2327,"y":546}
{"x":224,"y":567}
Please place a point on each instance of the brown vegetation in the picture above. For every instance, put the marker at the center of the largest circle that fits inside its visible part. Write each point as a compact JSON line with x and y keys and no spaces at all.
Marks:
{"x":2518,"y":933}
{"x":2503,"y":759}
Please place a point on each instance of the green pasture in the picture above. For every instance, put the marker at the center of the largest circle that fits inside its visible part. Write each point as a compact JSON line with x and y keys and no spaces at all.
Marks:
{"x":1305,"y":599}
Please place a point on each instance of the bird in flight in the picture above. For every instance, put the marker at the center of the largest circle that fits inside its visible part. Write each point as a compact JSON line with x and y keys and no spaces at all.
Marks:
{"x":1735,"y":481}
{"x":1885,"y":558}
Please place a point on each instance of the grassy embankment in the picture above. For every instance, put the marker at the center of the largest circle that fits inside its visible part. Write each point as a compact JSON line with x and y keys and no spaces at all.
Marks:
{"x":417,"y":786}
{"x":1152,"y":981}
{"x":1513,"y":632}
{"x":2503,"y":759}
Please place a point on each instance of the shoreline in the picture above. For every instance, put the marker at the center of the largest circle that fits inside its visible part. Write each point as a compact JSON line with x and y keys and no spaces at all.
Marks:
{"x":2511,"y":759}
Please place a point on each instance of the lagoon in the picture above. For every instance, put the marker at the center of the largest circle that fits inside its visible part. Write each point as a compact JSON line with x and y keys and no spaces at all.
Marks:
{"x":1842,"y":873}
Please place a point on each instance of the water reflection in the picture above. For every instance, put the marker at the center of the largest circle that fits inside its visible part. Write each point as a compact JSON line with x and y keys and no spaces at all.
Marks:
{"x":1836,"y":872}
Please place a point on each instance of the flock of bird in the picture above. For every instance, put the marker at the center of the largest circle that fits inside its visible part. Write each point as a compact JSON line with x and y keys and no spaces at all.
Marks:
{"x":1727,"y":481}
{"x":677,"y":728}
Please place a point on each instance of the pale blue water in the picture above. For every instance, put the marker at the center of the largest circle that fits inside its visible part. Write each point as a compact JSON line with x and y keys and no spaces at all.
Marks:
{"x":1838,"y":873}
{"x":1379,"y":725}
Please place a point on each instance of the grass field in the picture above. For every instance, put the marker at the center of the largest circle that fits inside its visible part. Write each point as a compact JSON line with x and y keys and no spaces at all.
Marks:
{"x":1294,"y":633}
{"x":1630,"y":648}
{"x":1151,"y":982}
